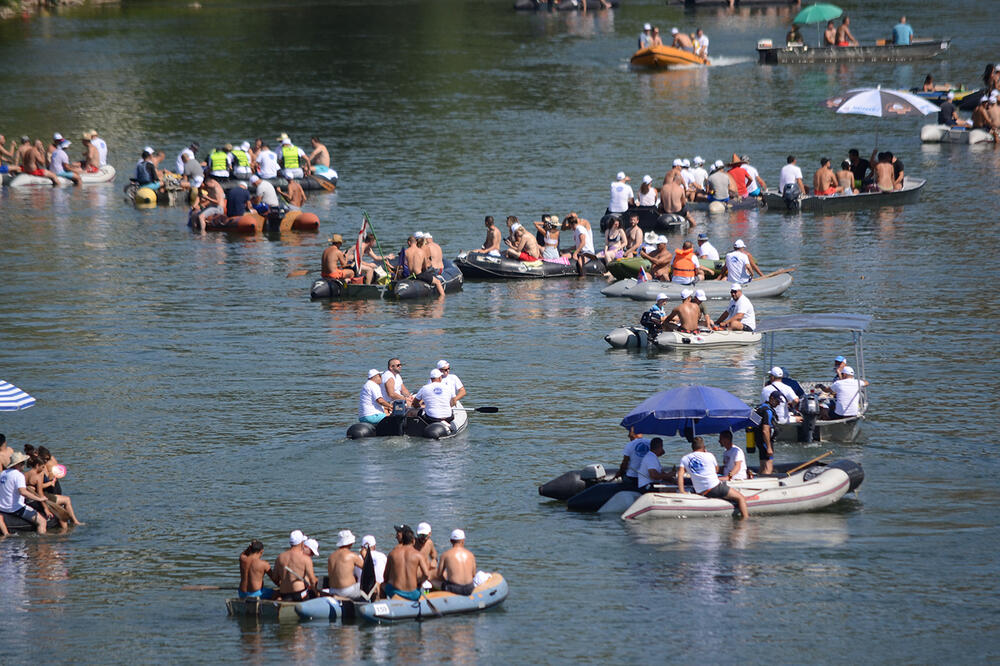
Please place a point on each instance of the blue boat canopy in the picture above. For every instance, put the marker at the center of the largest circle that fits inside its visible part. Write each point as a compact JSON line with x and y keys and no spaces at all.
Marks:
{"x":824,"y":321}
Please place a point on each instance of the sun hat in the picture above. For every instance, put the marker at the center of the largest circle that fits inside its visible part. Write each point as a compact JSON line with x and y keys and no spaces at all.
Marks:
{"x":702,"y":236}
{"x":647,"y":179}
{"x":848,"y":370}
{"x":662,"y":239}
{"x":418,"y":234}
{"x":662,"y":297}
{"x":296,"y":537}
{"x":423,"y":528}
{"x":368,"y":540}
{"x":286,"y":141}
{"x":16,"y":458}
{"x":254,"y":178}
{"x":344,"y":538}
{"x":686,"y":293}
{"x":373,"y":372}
{"x":427,"y":234}
{"x":57,"y":137}
{"x":313,"y":546}
{"x":650,"y":238}
{"x":65,"y":143}
{"x":457,"y":535}
{"x":776,"y":372}
{"x":336,"y":238}
{"x":739,"y":243}
{"x":435,"y":374}
{"x":148,"y":149}
{"x":442,"y":364}
{"x":735,"y":286}
{"x":700,"y":295}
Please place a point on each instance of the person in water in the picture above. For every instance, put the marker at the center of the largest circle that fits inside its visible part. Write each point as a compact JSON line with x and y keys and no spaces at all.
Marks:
{"x":405,"y":567}
{"x":491,"y":245}
{"x":457,"y":570}
{"x":253,"y":568}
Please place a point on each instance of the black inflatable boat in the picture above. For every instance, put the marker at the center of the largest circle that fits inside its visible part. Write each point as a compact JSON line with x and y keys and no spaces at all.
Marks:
{"x":476,"y":266}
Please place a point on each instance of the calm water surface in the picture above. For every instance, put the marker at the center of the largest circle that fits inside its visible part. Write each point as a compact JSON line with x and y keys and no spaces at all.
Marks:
{"x":200,"y":400}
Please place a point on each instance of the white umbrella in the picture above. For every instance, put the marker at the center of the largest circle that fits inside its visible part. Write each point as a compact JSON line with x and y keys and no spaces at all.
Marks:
{"x":880,"y":104}
{"x":13,"y":398}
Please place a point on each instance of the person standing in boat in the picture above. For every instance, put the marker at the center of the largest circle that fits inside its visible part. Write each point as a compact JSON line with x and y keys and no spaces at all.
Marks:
{"x":740,"y":264}
{"x":457,"y":571}
{"x":740,"y":315}
{"x":764,"y":432}
{"x":253,"y":568}
{"x":701,"y":43}
{"x":622,"y":196}
{"x":844,"y":36}
{"x":902,"y":33}
{"x":734,"y":461}
{"x":645,"y":37}
{"x":404,"y":568}
{"x":703,"y":469}
{"x":491,"y":245}
{"x":632,"y":455}
{"x":788,"y":402}
{"x":294,"y":569}
{"x":451,"y":379}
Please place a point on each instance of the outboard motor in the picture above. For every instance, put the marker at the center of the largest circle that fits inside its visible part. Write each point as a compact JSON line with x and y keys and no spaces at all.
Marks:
{"x":809,"y":406}
{"x":791,"y":196}
{"x":592,"y":473}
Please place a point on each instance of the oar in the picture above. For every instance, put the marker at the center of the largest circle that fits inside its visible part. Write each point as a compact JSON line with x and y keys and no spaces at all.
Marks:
{"x":481,"y":410}
{"x":324,"y":183}
{"x":299,"y":272}
{"x":806,"y":464}
{"x":778,"y":272}
{"x":61,"y":513}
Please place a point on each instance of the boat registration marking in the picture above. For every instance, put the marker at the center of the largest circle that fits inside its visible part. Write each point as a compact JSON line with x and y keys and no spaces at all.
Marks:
{"x":381,"y":609}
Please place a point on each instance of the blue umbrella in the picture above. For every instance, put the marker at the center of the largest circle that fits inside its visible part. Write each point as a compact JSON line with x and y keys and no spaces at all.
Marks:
{"x":690,"y":410}
{"x":13,"y":398}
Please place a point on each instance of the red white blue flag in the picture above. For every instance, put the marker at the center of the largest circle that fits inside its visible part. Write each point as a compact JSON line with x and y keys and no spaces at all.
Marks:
{"x":358,"y":253}
{"x":643,"y":275}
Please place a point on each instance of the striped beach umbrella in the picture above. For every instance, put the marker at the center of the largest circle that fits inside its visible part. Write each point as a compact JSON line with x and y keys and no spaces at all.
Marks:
{"x":13,"y":398}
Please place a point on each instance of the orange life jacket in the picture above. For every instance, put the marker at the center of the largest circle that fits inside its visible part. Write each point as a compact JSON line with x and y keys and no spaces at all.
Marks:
{"x":684,"y":265}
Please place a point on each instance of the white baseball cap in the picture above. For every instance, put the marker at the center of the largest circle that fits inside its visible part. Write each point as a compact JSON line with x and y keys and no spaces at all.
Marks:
{"x":951,"y":95}
{"x":345,"y":538}
{"x":662,"y":297}
{"x":776,"y":372}
{"x":661,"y":239}
{"x":847,"y":370}
{"x":513,"y":227}
{"x":286,"y":141}
{"x":674,"y":31}
{"x":373,"y":372}
{"x":254,"y":178}
{"x":686,"y":162}
{"x":313,"y":546}
{"x":698,"y":160}
{"x":457,"y":535}
{"x":245,"y":145}
{"x":686,"y":293}
{"x":647,"y":179}
{"x":442,"y":364}
{"x":296,"y":537}
{"x":148,"y":149}
{"x":418,"y":234}
{"x":739,"y":243}
{"x":700,"y":295}
{"x":621,"y":175}
{"x":735,"y":286}
{"x":435,"y":373}
{"x":679,"y":162}
{"x":718,"y":164}
{"x":646,"y":26}
{"x":368,"y":540}
{"x":423,"y":528}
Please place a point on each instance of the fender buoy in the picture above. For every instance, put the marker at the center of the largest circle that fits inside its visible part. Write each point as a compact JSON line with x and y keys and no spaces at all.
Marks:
{"x":145,"y":197}
{"x":716,"y":207}
{"x":306,"y":222}
{"x":360,"y":431}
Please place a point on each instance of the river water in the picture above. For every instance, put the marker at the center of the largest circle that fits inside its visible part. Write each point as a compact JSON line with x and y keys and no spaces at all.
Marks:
{"x":199,"y":398}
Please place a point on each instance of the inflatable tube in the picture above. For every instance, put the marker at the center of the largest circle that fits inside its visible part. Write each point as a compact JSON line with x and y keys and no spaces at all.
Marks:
{"x":103,"y":175}
{"x":399,"y":424}
{"x":306,"y":222}
{"x":329,"y":288}
{"x":627,"y":268}
{"x":436,"y":430}
{"x":18,"y":524}
{"x":360,"y":431}
{"x":594,"y":497}
{"x":747,"y":203}
{"x":853,"y":470}
{"x":714,"y":289}
{"x":946,"y":134}
{"x":650,"y":219}
{"x":574,"y":482}
{"x":250,"y":223}
{"x":145,"y":196}
{"x":630,"y":337}
{"x":411,"y":288}
{"x":619,"y":502}
{"x":492,"y":592}
{"x":476,"y":266}
{"x":704,"y":339}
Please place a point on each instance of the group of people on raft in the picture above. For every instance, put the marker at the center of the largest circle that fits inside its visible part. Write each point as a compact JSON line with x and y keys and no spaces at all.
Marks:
{"x":384,"y":392}
{"x":36,"y":158}
{"x":413,"y":567}
{"x":30,"y":489}
{"x":696,"y":43}
{"x":421,"y":259}
{"x":883,"y":172}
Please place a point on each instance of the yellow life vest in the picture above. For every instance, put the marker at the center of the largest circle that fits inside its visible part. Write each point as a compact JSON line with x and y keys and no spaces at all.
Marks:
{"x":290,"y":155}
{"x":217,"y":161}
{"x":241,"y":157}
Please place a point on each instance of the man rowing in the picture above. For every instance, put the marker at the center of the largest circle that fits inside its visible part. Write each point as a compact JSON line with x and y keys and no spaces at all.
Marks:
{"x":253,"y":568}
{"x":740,"y":315}
{"x":405,"y":568}
{"x":294,"y":569}
{"x":335,"y":263}
{"x":457,"y":570}
{"x":341,"y":566}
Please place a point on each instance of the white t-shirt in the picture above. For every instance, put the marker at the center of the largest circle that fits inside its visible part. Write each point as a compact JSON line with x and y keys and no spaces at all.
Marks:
{"x":707,"y":251}
{"x":452,"y":380}
{"x":436,"y":397}
{"x":588,"y":239}
{"x":848,"y":392}
{"x":379,"y":560}
{"x":397,"y":381}
{"x":267,"y":162}
{"x":745,"y":307}
{"x":180,"y":158}
{"x":649,"y":198}
{"x":701,"y":466}
{"x":738,"y":267}
{"x":687,"y":177}
{"x":368,"y":405}
{"x":781,"y":411}
{"x":11,"y":480}
{"x":58,"y":161}
{"x":703,"y":41}
{"x":752,"y":176}
{"x":621,"y":192}
{"x":634,"y":459}
{"x":729,"y":460}
{"x":699,"y":176}
{"x":102,"y":150}
{"x":648,"y":462}
{"x":789,"y":173}
{"x":265,"y":191}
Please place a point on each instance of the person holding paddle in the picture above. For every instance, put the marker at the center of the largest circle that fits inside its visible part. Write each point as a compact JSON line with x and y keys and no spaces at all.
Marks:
{"x":294,"y":569}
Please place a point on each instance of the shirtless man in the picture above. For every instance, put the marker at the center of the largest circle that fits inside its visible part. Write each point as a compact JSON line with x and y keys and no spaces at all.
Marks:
{"x":491,"y":245}
{"x":661,"y":259}
{"x":211,"y":200}
{"x":993,"y":111}
{"x":32,"y":163}
{"x":434,"y":252}
{"x":830,"y":34}
{"x":844,"y":36}
{"x":335,"y":262}
{"x":405,"y":568}
{"x":7,"y":155}
{"x":525,"y":247}
{"x":825,"y":181}
{"x":319,"y":156}
{"x":885,"y":177}
{"x":845,"y":178}
{"x":633,"y":237}
{"x":425,"y":546}
{"x":340,"y":567}
{"x":685,"y":316}
{"x":681,"y":41}
{"x":295,"y":194}
{"x":5,"y":452}
{"x":294,"y":569}
{"x":252,"y":570}
{"x":458,"y":567}
{"x":91,"y":161}
{"x":673,"y":198}
{"x":419,"y":264}
{"x":981,"y":117}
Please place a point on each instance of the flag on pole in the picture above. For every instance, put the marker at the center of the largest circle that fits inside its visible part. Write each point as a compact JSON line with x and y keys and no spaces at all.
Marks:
{"x":358,"y":254}
{"x":643,"y":275}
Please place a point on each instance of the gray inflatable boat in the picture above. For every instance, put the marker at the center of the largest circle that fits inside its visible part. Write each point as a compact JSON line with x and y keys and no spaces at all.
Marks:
{"x":714,"y":289}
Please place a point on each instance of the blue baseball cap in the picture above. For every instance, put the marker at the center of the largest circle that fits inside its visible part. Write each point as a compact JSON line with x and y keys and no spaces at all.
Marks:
{"x":702,"y":236}
{"x":839,"y":359}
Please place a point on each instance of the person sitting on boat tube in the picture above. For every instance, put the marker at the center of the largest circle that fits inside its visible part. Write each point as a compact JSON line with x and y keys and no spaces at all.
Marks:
{"x":633,"y":236}
{"x":660,"y":259}
{"x":372,"y":407}
{"x":650,"y":471}
{"x":295,"y":569}
{"x":645,"y":37}
{"x":335,"y":262}
{"x":703,"y":469}
{"x":740,"y":315}
{"x":583,"y":240}
{"x":525,"y":247}
{"x":681,"y":41}
{"x":632,"y":455}
{"x":788,"y":401}
{"x":457,"y":571}
{"x":436,"y":399}
{"x":686,"y":316}
{"x":252,"y":570}
{"x":491,"y":245}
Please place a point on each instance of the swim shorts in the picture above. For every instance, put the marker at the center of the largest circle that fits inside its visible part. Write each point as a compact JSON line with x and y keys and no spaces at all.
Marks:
{"x":391,"y":591}
{"x":524,"y":256}
{"x":462,"y":590}
{"x":372,"y":418}
{"x":336,"y":274}
{"x":263,"y":593}
{"x":719,"y":491}
{"x":427,"y":276}
{"x":36,"y":172}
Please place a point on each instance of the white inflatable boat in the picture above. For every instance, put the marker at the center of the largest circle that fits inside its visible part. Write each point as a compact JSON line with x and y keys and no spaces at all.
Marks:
{"x":948,"y":134}
{"x":104,"y":175}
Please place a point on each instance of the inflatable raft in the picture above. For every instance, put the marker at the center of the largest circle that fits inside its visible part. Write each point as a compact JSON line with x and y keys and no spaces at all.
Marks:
{"x":636,"y":337}
{"x":665,"y":57}
{"x":18,"y":524}
{"x":948,"y":134}
{"x":807,"y":490}
{"x":312,"y":183}
{"x":622,"y":269}
{"x":563,"y":6}
{"x":252,"y":223}
{"x":477,"y":266}
{"x":104,"y":175}
{"x":650,"y":219}
{"x":411,"y":288}
{"x":291,"y":611}
{"x":325,"y":288}
{"x":398,"y":424}
{"x":714,"y":289}
{"x":436,"y":603}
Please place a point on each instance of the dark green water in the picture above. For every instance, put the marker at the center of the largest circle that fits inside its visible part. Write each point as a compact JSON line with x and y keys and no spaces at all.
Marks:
{"x":199,"y":398}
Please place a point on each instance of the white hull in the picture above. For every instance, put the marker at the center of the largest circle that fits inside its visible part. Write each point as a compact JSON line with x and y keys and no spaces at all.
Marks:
{"x":105,"y":175}
{"x":946,"y":134}
{"x":803,"y":491}
{"x":678,"y":340}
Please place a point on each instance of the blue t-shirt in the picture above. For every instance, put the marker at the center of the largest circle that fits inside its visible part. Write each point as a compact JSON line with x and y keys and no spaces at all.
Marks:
{"x":236,"y":201}
{"x":902,"y":34}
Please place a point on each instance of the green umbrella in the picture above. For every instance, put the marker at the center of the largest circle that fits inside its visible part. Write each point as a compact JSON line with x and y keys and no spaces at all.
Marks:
{"x":817,"y":13}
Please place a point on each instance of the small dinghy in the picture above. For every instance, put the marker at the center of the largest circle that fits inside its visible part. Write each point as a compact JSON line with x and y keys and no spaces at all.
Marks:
{"x":948,"y":134}
{"x":399,"y":424}
{"x":412,"y":288}
{"x":436,"y":603}
{"x":622,"y":269}
{"x":329,"y":608}
{"x":665,"y":57}
{"x":650,"y":219}
{"x":16,"y":523}
{"x":806,"y":490}
{"x":408,"y":289}
{"x":477,"y":266}
{"x":833,"y":203}
{"x":714,"y":289}
{"x":636,"y":337}
{"x":103,"y":175}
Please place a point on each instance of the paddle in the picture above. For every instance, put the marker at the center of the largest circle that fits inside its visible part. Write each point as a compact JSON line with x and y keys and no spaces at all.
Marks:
{"x":60,"y":513}
{"x":778,"y":272}
{"x":806,"y":464}
{"x":324,"y":183}
{"x":299,"y":272}
{"x":431,"y":604}
{"x":481,"y":410}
